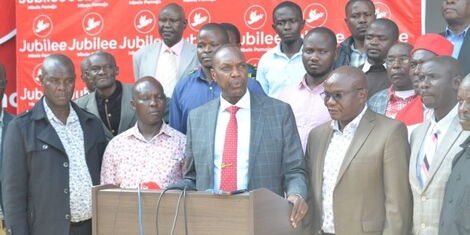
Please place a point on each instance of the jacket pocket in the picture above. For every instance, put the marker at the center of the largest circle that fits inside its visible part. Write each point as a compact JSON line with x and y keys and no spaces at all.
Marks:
{"x":373,"y":225}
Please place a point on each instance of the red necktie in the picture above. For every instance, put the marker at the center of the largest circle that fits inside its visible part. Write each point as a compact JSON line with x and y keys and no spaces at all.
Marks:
{"x":228,"y":181}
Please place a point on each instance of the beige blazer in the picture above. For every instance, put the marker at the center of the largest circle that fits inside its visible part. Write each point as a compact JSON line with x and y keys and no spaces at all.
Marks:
{"x":372,"y":194}
{"x":428,"y":199}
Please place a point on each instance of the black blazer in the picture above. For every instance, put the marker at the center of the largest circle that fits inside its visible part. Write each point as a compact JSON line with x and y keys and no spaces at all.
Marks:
{"x":36,"y":174}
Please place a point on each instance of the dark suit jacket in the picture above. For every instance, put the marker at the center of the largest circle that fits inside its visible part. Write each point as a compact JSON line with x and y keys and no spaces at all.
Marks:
{"x":276,"y":158}
{"x":455,"y":213}
{"x":6,"y":120}
{"x":36,"y":171}
{"x":464,"y":55}
{"x":372,"y":194}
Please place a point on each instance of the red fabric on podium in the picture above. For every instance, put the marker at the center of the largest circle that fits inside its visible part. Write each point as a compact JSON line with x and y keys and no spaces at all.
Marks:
{"x":228,"y":167}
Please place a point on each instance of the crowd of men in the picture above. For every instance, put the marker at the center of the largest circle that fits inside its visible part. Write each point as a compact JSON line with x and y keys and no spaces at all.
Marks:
{"x":370,"y":136}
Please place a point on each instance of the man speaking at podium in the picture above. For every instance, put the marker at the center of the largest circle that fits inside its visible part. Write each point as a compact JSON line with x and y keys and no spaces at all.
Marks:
{"x":243,"y":140}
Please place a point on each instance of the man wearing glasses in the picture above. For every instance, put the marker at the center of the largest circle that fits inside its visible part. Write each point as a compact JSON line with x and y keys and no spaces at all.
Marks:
{"x":358,"y":164}
{"x":400,"y":101}
{"x":111,"y":99}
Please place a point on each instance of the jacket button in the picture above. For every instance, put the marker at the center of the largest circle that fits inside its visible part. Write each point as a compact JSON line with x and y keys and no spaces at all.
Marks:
{"x":66,"y":190}
{"x":66,"y":164}
{"x":45,"y":146}
{"x":67,"y":216}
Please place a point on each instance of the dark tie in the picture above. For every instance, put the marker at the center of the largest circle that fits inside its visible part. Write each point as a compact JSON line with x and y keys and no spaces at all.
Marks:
{"x":228,"y":181}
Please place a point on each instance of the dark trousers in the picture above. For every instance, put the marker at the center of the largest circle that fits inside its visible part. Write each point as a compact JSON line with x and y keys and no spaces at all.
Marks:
{"x":81,"y":228}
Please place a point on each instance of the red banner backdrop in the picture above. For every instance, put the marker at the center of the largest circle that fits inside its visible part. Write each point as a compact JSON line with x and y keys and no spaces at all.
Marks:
{"x":80,"y":27}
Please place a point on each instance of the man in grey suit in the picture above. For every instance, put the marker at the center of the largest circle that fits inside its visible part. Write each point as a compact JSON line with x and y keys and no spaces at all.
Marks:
{"x":457,"y":15}
{"x":111,"y":99}
{"x":455,"y":216}
{"x":264,"y":153}
{"x":51,"y":159}
{"x":171,"y":60}
{"x":435,"y":142}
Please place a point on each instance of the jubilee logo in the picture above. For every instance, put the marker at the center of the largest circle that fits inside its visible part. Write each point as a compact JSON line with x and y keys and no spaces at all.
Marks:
{"x":198,"y":17}
{"x":36,"y":73}
{"x":315,"y":15}
{"x":255,"y":17}
{"x":92,"y":23}
{"x":382,"y":10}
{"x":144,"y":21}
{"x":42,"y":26}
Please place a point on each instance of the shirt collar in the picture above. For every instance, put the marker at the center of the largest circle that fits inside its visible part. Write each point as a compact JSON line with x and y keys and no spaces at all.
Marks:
{"x":177,"y":48}
{"x":164,"y":130}
{"x":278,"y":52}
{"x":367,"y":66}
{"x":52,"y":117}
{"x":243,"y":103}
{"x":350,"y":127}
{"x":113,"y":96}
{"x":317,"y":89}
{"x":392,"y":96}
{"x":449,"y":32}
{"x":447,"y":120}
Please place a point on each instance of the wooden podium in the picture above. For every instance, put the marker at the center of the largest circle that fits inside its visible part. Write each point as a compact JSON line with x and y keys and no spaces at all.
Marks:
{"x":259,"y":212}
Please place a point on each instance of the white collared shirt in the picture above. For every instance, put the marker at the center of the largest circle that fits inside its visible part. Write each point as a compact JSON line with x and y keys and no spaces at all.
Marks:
{"x":334,"y":157}
{"x":442,"y":126}
{"x":71,"y":137}
{"x":243,"y":144}
{"x":367,"y":66}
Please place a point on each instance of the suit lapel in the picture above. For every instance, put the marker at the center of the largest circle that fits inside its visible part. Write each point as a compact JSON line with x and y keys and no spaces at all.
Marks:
{"x":151,"y":62}
{"x":92,"y":107}
{"x":416,"y":144}
{"x":256,"y":132}
{"x":441,"y":152}
{"x":363,"y":130}
{"x":126,"y":110}
{"x":186,"y":53}
{"x":212,"y":113}
{"x":322,"y":147}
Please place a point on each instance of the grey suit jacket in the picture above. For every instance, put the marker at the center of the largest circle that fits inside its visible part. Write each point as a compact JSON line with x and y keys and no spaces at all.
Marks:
{"x":6,"y":120}
{"x":146,"y":60}
{"x":276,"y":158}
{"x":372,"y":194}
{"x":428,"y":199}
{"x":35,"y":179}
{"x":128,"y":118}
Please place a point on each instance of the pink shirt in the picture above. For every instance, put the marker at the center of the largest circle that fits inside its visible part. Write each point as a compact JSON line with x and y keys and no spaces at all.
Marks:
{"x":308,"y":107}
{"x":177,"y":48}
{"x":129,"y":159}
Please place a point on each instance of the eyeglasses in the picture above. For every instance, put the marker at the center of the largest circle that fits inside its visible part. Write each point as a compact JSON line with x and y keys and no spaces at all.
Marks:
{"x":337,"y":96}
{"x":400,"y":59}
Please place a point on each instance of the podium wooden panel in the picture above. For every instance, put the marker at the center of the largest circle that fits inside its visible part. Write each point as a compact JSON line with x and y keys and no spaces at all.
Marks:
{"x":259,"y":212}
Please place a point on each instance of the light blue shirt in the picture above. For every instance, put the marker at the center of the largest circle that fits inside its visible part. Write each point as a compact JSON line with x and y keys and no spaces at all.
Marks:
{"x":276,"y":71}
{"x":456,"y":39}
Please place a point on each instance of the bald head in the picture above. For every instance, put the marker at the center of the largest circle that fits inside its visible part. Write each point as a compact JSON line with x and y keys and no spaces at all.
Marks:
{"x":57,"y":61}
{"x":173,"y":7}
{"x":145,"y":82}
{"x":350,"y":77}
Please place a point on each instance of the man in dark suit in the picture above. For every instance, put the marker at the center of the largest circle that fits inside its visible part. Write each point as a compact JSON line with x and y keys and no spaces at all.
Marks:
{"x":457,"y":15}
{"x":358,"y":165}
{"x":264,"y":153}
{"x":52,"y":157}
{"x":455,"y":216}
{"x":5,"y":118}
{"x":111,"y":100}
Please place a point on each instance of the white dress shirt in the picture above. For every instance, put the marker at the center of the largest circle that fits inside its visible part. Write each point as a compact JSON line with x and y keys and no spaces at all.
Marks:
{"x":441,"y":127}
{"x":243,"y":144}
{"x":335,"y":154}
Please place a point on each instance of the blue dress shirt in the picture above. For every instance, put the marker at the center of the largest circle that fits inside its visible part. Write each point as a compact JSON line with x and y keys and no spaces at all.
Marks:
{"x":194,"y":90}
{"x":457,"y":40}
